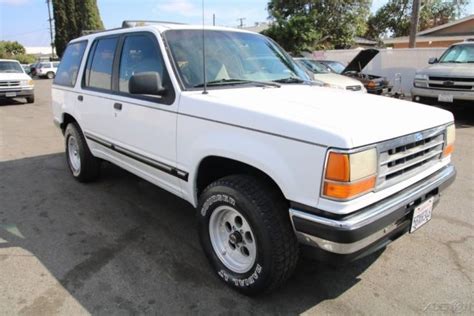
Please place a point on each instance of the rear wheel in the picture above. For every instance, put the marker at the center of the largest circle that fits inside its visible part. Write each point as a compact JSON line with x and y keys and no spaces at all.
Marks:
{"x":82,"y":164}
{"x":246,"y":234}
{"x":50,"y":75}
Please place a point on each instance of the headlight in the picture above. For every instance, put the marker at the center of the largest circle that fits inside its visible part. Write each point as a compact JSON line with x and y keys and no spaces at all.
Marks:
{"x":24,"y":83}
{"x":450,"y":138}
{"x":420,"y":84}
{"x":349,"y":175}
{"x":335,"y":86}
{"x":421,"y":77}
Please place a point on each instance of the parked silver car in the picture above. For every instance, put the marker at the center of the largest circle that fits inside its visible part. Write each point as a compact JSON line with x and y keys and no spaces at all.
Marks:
{"x":449,"y":78}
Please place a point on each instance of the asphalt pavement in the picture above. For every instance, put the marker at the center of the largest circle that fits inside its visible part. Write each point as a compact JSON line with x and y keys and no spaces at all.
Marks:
{"x":124,"y":246}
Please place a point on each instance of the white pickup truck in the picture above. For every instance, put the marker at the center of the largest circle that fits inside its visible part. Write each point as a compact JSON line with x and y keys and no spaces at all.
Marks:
{"x":272,"y":163}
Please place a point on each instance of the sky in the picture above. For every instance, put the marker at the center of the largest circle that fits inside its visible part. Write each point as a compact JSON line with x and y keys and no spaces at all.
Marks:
{"x":26,"y":21}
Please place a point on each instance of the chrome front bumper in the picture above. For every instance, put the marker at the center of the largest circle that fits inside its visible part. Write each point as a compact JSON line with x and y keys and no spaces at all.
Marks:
{"x":358,"y":233}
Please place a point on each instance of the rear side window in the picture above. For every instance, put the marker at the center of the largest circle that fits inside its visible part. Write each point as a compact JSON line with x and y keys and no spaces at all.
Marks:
{"x":55,"y":65}
{"x":70,"y":63}
{"x":99,"y":66}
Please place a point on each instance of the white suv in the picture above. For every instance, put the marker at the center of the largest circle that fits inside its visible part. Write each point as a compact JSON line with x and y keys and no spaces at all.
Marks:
{"x":267,"y":159}
{"x":46,"y":69}
{"x":14,"y":82}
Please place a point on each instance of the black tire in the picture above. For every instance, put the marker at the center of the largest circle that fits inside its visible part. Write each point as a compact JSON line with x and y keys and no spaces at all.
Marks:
{"x":267,"y":213}
{"x":50,"y":75}
{"x":30,"y":99}
{"x":89,"y":169}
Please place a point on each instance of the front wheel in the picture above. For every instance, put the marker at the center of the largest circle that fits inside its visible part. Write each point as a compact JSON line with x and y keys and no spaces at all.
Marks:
{"x":246,"y":234}
{"x":82,"y":164}
{"x":50,"y":75}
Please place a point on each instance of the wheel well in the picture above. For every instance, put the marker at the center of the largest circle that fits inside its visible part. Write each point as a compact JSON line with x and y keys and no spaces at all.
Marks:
{"x":67,"y":118}
{"x":213,"y":168}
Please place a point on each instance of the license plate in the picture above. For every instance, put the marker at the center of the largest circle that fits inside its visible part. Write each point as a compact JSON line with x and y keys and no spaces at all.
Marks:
{"x":421,"y":214}
{"x":384,"y":90}
{"x":445,"y":98}
{"x":10,"y":94}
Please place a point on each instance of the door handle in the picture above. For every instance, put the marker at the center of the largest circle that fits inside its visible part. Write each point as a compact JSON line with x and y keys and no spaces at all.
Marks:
{"x":118,"y":106}
{"x":80,"y":98}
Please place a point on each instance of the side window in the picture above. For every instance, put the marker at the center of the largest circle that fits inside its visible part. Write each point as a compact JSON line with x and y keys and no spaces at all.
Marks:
{"x":140,"y":54}
{"x":100,"y":64}
{"x":69,"y":67}
{"x":55,"y":65}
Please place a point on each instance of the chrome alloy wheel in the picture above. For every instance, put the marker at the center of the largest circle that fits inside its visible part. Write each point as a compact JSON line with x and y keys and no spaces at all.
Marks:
{"x":73,"y":154}
{"x":232,"y":239}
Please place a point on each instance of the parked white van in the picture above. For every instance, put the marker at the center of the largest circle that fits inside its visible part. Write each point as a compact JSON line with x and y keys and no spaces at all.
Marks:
{"x":272,"y":163}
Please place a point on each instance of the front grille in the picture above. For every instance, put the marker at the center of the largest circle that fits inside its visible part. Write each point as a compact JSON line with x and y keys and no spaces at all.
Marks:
{"x":452,"y":79}
{"x":6,"y":84}
{"x":450,"y":87}
{"x":354,"y":88}
{"x":409,"y":156}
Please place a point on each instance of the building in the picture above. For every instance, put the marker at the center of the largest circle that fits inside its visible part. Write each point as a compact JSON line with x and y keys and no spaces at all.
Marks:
{"x":439,"y":36}
{"x":40,"y":52}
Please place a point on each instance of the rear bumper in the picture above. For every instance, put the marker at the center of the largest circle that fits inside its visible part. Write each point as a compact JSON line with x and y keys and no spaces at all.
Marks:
{"x":358,"y":234}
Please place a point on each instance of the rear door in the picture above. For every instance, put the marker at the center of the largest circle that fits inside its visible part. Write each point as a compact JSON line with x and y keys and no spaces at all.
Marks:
{"x":95,"y":104}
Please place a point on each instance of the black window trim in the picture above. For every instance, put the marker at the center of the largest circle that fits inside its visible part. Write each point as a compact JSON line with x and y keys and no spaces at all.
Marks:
{"x":80,"y":63}
{"x":166,"y":100}
{"x":90,"y":59}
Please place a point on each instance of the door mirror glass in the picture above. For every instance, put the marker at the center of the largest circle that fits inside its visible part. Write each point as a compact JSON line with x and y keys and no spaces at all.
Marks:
{"x":146,"y":83}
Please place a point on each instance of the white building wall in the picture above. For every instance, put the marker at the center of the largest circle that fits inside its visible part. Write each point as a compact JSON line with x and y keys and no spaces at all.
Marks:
{"x":389,"y":62}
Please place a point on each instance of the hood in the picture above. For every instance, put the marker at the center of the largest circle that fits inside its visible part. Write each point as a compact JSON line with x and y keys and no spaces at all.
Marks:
{"x":361,"y":60}
{"x":336,"y":79}
{"x":449,"y":70}
{"x":12,"y":77}
{"x":330,"y":117}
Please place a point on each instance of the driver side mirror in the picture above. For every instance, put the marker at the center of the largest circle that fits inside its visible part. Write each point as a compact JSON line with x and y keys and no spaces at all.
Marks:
{"x":432,"y":60}
{"x":146,"y":83}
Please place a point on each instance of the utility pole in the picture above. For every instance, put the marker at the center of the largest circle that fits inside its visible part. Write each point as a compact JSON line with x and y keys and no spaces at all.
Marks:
{"x":214,"y":19}
{"x":241,"y":25}
{"x":48,"y":2}
{"x":415,"y":18}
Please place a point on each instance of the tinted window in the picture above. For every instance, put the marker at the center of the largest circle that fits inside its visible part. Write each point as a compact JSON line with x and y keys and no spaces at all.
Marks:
{"x":69,"y":67}
{"x":99,"y":70}
{"x":139,"y":54}
{"x":55,"y":65}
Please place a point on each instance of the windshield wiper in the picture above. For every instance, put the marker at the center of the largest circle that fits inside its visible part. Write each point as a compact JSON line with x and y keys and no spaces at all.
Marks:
{"x":290,"y":80}
{"x":237,"y":81}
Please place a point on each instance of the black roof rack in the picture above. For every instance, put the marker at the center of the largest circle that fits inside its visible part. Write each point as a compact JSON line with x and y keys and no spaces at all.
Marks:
{"x":134,"y":23}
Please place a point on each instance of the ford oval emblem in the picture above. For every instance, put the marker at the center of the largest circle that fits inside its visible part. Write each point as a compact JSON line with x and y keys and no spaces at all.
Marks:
{"x":418,"y":136}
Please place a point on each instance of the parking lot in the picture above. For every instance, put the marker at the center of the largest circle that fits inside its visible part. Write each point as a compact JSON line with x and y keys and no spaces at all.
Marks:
{"x":124,"y":246}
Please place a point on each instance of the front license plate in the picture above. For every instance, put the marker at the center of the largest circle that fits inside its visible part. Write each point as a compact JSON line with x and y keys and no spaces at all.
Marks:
{"x":421,"y":214}
{"x":445,"y":98}
{"x":10,"y":94}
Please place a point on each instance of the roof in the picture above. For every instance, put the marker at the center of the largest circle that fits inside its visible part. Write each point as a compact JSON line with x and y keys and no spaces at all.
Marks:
{"x":405,"y":39}
{"x":10,"y":60}
{"x":424,"y":36}
{"x":160,"y":27}
{"x":446,"y":25}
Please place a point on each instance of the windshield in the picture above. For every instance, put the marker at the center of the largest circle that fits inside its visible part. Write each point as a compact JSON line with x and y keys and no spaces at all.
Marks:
{"x":336,"y":67}
{"x":315,"y":67}
{"x":231,"y":58}
{"x":10,"y":67}
{"x":458,"y":54}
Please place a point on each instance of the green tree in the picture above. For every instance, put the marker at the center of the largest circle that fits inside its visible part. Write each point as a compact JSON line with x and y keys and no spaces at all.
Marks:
{"x":71,"y":17}
{"x":394,"y":17}
{"x":14,"y":50}
{"x":303,"y":25}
